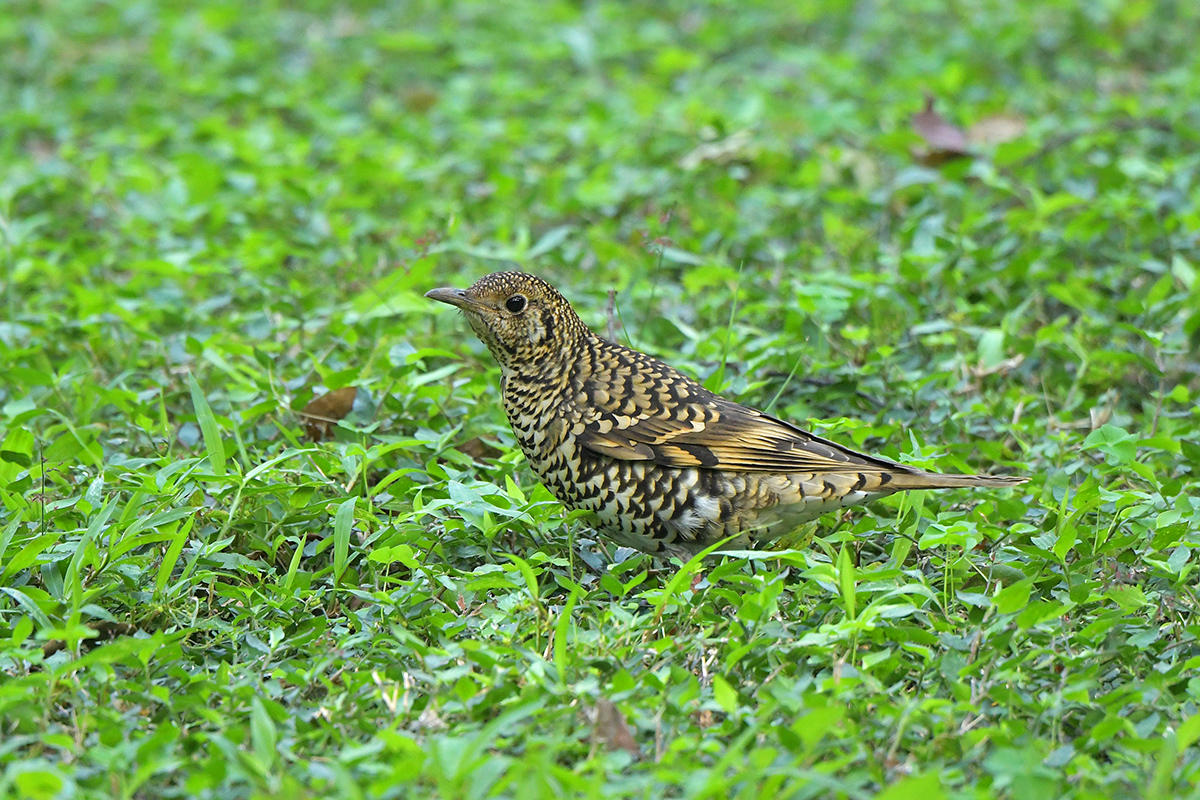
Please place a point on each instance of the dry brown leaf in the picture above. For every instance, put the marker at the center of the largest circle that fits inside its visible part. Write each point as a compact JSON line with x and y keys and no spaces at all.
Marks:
{"x":104,"y":632}
{"x":419,"y":98}
{"x":430,"y":721}
{"x":479,"y":450}
{"x":611,"y":729}
{"x":995,"y":130}
{"x":945,"y":140}
{"x":722,"y":151}
{"x":323,"y":412}
{"x":1098,"y":416}
{"x":1003,"y":367}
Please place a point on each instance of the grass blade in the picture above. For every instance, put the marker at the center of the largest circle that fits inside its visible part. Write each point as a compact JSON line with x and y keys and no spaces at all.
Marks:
{"x":171,"y":557}
{"x":561,"y":627}
{"x":684,"y":576}
{"x":342,"y":523}
{"x":845,"y":569}
{"x":531,"y":581}
{"x":208,"y":426}
{"x":72,"y":580}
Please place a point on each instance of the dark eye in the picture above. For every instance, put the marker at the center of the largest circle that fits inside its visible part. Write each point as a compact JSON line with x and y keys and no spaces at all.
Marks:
{"x":515,"y":304}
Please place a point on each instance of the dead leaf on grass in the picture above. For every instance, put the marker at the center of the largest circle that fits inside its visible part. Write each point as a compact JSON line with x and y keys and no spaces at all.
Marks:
{"x":480,"y":449}
{"x":736,"y":145}
{"x":611,"y":729}
{"x":105,"y":631}
{"x":323,"y":412}
{"x":996,"y":129}
{"x":945,"y":141}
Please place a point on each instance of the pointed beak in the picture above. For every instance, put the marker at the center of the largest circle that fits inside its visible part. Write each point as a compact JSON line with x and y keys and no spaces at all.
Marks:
{"x":454,"y":297}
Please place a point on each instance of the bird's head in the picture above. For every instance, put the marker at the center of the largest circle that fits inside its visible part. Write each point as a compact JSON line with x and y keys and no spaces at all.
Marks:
{"x":523,"y":320}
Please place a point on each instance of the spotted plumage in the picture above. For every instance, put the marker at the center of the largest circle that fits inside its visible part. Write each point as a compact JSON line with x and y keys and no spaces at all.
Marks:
{"x":662,"y":464}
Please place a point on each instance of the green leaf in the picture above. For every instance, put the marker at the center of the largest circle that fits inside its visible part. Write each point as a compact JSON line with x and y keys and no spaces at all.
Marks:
{"x":550,"y":241}
{"x":1014,"y":597}
{"x":817,"y":722}
{"x":991,"y":348}
{"x":32,"y":608}
{"x":171,"y":557}
{"x":1039,"y":611}
{"x":1182,"y":269}
{"x":1113,"y":441}
{"x":401,"y":553}
{"x":16,"y":452}
{"x":1128,"y":598}
{"x":263,"y":734}
{"x":531,"y":581}
{"x":561,"y":628}
{"x":925,"y":786}
{"x":846,"y":580}
{"x":37,"y":784}
{"x":1188,"y":732}
{"x":73,"y":579}
{"x":683,"y":577}
{"x":725,"y":695}
{"x":208,"y":426}
{"x":343,"y":521}
{"x":1066,"y":541}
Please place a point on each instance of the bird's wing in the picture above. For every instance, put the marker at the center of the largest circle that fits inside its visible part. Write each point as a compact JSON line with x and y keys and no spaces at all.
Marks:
{"x":639,"y":409}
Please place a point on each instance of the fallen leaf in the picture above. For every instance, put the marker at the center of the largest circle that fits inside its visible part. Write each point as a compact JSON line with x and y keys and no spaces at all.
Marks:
{"x":720,"y":152}
{"x":419,"y":98}
{"x":946,"y":141}
{"x":995,"y":130}
{"x":1098,"y":416}
{"x":104,"y":632}
{"x":430,"y":721}
{"x":611,"y":730}
{"x":479,"y":450}
{"x":1003,"y":367}
{"x":322,"y":412}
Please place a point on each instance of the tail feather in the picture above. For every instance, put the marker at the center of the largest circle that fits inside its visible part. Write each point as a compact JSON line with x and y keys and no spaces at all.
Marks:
{"x":919,"y":479}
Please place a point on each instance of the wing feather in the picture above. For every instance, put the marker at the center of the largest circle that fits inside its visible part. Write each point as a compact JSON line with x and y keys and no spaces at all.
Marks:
{"x":671,"y":420}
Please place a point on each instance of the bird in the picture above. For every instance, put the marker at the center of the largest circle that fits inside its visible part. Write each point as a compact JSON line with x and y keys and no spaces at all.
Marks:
{"x":660,"y":463}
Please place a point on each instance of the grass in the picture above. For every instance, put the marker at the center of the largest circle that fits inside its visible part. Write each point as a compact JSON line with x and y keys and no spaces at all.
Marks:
{"x":208,"y":211}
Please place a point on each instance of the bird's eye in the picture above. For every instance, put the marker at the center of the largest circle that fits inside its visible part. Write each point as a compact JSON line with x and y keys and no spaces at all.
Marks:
{"x":515,"y":304}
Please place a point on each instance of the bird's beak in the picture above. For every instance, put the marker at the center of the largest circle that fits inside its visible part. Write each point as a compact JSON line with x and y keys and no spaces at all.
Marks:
{"x":454,"y":297}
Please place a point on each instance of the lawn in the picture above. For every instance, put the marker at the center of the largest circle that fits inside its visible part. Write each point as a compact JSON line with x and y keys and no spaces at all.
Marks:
{"x":961,"y":235}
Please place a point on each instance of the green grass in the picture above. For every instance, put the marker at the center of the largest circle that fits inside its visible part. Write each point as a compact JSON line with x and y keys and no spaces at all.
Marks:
{"x":208,"y":210}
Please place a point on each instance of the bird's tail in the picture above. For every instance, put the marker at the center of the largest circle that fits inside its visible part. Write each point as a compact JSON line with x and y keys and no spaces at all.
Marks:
{"x":919,"y":479}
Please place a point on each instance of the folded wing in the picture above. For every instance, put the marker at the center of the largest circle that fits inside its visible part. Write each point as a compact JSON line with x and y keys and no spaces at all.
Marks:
{"x":647,"y":411}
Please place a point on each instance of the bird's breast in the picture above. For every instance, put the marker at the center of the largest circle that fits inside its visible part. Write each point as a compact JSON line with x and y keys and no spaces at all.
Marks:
{"x":538,"y":417}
